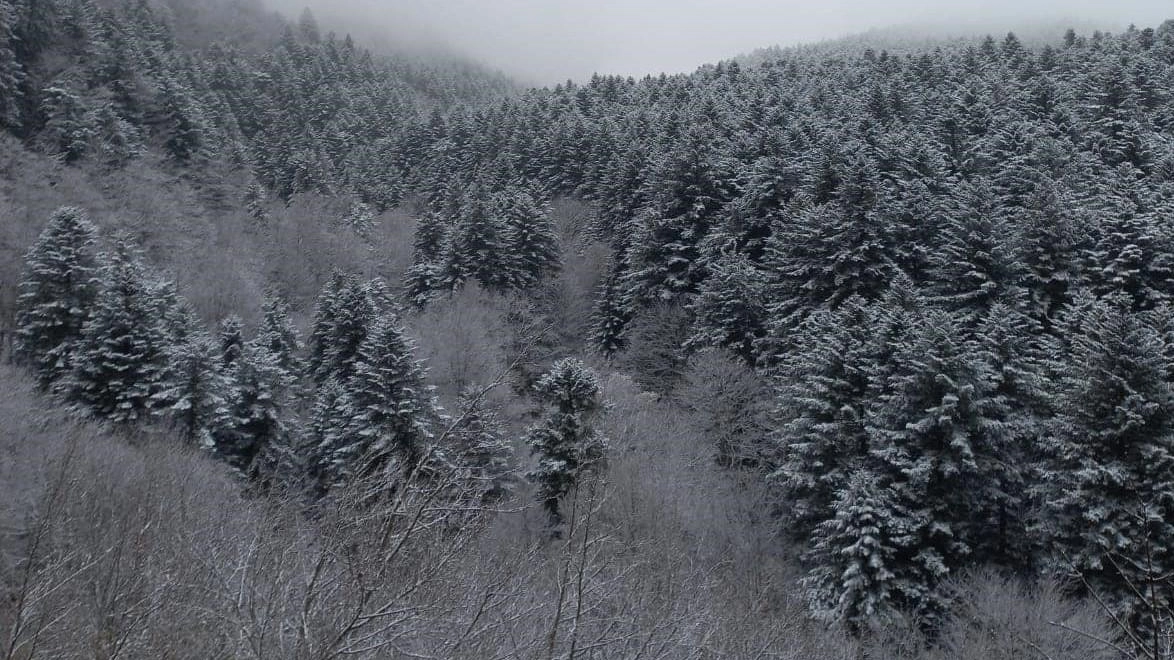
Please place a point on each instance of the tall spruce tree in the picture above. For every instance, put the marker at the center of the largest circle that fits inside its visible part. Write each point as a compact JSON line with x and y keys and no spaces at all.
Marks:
{"x":56,"y":295}
{"x":194,"y":390}
{"x":479,"y":245}
{"x":12,"y":74}
{"x":853,"y":579}
{"x":231,"y":336}
{"x":329,"y":434}
{"x":824,"y":396}
{"x":1112,"y":489}
{"x":395,"y":412}
{"x":939,"y":437}
{"x":529,"y":236}
{"x":278,"y":335}
{"x":257,"y":409}
{"x":566,"y":441}
{"x":730,"y":307}
{"x":118,"y":364}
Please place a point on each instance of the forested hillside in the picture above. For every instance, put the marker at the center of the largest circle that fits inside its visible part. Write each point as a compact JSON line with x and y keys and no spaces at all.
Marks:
{"x":828,"y":352}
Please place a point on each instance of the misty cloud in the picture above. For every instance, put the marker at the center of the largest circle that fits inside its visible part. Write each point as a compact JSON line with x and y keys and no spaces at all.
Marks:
{"x":548,"y":41}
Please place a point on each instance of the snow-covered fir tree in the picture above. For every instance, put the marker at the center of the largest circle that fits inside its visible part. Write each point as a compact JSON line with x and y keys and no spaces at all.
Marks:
{"x":194,"y":390}
{"x":56,"y":294}
{"x":853,"y":579}
{"x":395,"y":411}
{"x":566,"y":441}
{"x":1111,"y":486}
{"x":119,"y":360}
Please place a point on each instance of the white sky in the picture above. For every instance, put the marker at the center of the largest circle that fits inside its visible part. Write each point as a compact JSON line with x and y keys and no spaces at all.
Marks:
{"x":548,"y":41}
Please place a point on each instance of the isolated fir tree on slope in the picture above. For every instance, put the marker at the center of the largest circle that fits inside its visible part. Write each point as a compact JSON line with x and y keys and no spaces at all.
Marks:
{"x":231,"y":336}
{"x":612,"y":312}
{"x":56,"y":294}
{"x":566,"y":441}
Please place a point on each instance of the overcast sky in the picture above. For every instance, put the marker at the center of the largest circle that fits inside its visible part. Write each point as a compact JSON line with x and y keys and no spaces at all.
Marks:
{"x":547,"y":41}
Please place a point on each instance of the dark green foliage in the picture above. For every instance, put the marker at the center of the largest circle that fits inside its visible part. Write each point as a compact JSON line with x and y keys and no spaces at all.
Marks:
{"x":425,"y":277}
{"x":479,"y":244}
{"x":730,"y":308}
{"x":278,"y":336}
{"x":329,"y":434}
{"x":567,"y":444}
{"x":345,"y":310}
{"x":975,"y":267}
{"x":68,"y":129}
{"x":12,"y":74}
{"x":119,"y":360}
{"x":194,"y":390}
{"x":917,"y":247}
{"x":939,"y":437}
{"x":231,"y":337}
{"x":394,"y":410}
{"x":686,"y":190}
{"x":255,"y":407}
{"x":531,"y":241}
{"x":854,"y":554}
{"x":824,"y":397}
{"x":57,"y":295}
{"x":609,"y":320}
{"x":1113,"y":438}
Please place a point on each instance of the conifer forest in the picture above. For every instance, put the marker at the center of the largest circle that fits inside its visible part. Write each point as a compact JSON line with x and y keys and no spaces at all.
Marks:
{"x":314,"y":350}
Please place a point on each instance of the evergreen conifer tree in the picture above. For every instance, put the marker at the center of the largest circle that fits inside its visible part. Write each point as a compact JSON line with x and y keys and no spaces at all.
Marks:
{"x":566,"y":440}
{"x":479,"y":244}
{"x":194,"y":391}
{"x":975,"y":266}
{"x":529,"y":236}
{"x":612,"y":313}
{"x":730,"y":307}
{"x":852,"y":554}
{"x":823,"y":400}
{"x":939,"y":436}
{"x":429,"y":256}
{"x":119,"y":358}
{"x":256,"y":409}
{"x":278,"y":335}
{"x":12,"y":74}
{"x":1112,"y":488}
{"x":56,"y":294}
{"x":345,"y":311}
{"x":395,"y":412}
{"x":330,"y":433}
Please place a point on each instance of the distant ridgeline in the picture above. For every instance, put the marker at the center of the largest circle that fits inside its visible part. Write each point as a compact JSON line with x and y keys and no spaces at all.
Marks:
{"x":957,"y":264}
